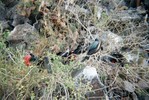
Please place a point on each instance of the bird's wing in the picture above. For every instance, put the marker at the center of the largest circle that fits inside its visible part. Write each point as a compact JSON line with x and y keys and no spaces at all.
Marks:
{"x":93,"y":46}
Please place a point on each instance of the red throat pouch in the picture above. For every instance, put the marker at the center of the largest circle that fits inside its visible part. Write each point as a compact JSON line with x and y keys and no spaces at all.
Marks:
{"x":27,"y":60}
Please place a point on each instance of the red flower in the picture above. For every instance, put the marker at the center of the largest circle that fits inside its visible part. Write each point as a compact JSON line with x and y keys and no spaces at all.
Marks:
{"x":27,"y":60}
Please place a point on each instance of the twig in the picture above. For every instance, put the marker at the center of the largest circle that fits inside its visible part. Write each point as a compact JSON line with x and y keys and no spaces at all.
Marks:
{"x":66,"y":92}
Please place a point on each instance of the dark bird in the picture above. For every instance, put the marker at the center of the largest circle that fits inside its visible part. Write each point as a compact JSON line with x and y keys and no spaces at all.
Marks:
{"x":33,"y":57}
{"x":85,"y":58}
{"x":64,"y":54}
{"x":29,"y":58}
{"x":47,"y":64}
{"x":120,"y":58}
{"x":94,"y":47}
{"x":110,"y":60}
{"x":114,"y":58}
{"x":44,"y":63}
{"x":78,"y":50}
{"x":117,"y":55}
{"x":81,"y":48}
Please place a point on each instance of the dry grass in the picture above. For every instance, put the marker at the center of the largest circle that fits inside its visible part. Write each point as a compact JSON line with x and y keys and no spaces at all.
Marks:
{"x":65,"y":24}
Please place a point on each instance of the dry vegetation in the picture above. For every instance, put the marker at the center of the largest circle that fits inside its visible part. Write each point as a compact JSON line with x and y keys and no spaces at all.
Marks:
{"x":65,"y":24}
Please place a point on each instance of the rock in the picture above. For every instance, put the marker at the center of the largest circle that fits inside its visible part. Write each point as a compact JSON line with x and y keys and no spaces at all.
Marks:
{"x":141,"y":10}
{"x":35,"y":18}
{"x":38,"y":25}
{"x":5,"y":25}
{"x":126,"y":15}
{"x":18,"y":19}
{"x":143,"y":96}
{"x":129,"y":86}
{"x":108,"y":4}
{"x":11,"y":13}
{"x":22,"y":34}
{"x":2,"y":11}
{"x":143,"y":84}
{"x":139,"y":57}
{"x":145,"y":63}
{"x":89,"y":75}
{"x":111,"y":41}
{"x":14,"y":18}
{"x":99,"y":13}
{"x":131,"y":57}
{"x":10,"y":3}
{"x":76,"y":9}
{"x":113,"y":4}
{"x":145,"y":47}
{"x":131,"y":3}
{"x":146,"y":4}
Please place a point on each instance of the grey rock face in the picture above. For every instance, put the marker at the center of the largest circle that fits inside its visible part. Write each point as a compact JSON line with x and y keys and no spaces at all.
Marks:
{"x":3,"y":26}
{"x":146,"y":3}
{"x":11,"y":13}
{"x":14,"y":17}
{"x":10,"y":3}
{"x":131,"y":3}
{"x":18,"y":19}
{"x":2,"y":11}
{"x":111,"y":40}
{"x":22,"y":34}
{"x":7,"y":8}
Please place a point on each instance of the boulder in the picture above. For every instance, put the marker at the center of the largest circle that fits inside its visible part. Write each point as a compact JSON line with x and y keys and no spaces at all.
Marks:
{"x":11,"y":13}
{"x":89,"y":75}
{"x":19,"y":19}
{"x":131,"y":3}
{"x":131,"y":57}
{"x":2,"y":11}
{"x":146,"y":3}
{"x":111,"y":41}
{"x":24,"y":33}
{"x":4,"y":25}
{"x":10,"y":3}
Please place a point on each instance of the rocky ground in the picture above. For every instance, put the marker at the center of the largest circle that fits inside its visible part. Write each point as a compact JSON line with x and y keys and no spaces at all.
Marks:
{"x":71,"y":49}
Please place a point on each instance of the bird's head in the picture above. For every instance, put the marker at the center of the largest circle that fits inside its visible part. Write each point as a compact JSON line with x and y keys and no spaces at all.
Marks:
{"x":96,"y":39}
